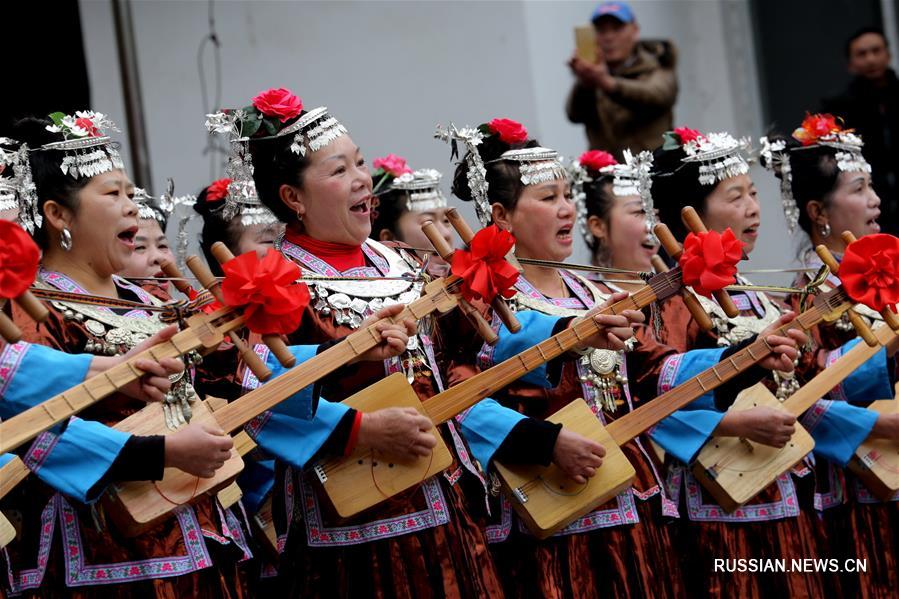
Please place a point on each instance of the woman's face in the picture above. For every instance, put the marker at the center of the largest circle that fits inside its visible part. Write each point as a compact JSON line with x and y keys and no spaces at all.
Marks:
{"x":104,"y":225}
{"x":623,"y":233}
{"x":541,"y":222}
{"x":258,"y":238}
{"x":335,"y":201}
{"x":409,"y":228}
{"x":734,"y":203}
{"x":151,"y":249}
{"x":854,"y":205}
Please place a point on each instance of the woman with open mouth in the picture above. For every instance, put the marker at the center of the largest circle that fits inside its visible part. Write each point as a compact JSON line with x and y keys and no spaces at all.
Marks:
{"x":710,"y":172}
{"x":151,"y":247}
{"x":826,"y":189}
{"x":621,"y":548}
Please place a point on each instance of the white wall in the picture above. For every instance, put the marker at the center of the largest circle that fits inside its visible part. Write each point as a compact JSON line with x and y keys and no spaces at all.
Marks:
{"x":391,"y":70}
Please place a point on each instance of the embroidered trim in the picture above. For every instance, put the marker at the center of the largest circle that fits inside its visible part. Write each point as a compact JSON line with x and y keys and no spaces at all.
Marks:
{"x":39,"y":450}
{"x":499,"y":532}
{"x":836,"y":494}
{"x":32,"y":578}
{"x":80,"y":574}
{"x":838,"y":392}
{"x":813,"y":416}
{"x":625,"y":512}
{"x":786,"y":507}
{"x":863,"y":495}
{"x":317,"y":535}
{"x":10,"y":359}
{"x":669,"y":373}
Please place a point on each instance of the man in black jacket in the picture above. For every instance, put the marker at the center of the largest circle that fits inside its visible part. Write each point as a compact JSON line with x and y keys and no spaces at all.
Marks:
{"x":870,"y":105}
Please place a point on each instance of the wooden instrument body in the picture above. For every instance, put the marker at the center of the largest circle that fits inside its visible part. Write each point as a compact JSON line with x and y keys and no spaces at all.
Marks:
{"x":735,"y":470}
{"x":546,"y":499}
{"x":876,"y":462}
{"x":355,"y":483}
{"x":12,"y":473}
{"x":136,"y":506}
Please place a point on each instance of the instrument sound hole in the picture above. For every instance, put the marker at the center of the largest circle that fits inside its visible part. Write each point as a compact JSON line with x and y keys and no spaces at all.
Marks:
{"x":373,"y":464}
{"x":390,"y":465}
{"x":360,"y":462}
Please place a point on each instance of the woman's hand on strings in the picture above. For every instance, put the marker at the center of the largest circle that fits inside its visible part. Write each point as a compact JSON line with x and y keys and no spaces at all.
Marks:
{"x":885,"y":427}
{"x":155,"y":383}
{"x":399,"y":432}
{"x":198,"y":449}
{"x":614,"y":330}
{"x":394,"y":336}
{"x":784,"y":348}
{"x":761,"y":424}
{"x":577,"y":456}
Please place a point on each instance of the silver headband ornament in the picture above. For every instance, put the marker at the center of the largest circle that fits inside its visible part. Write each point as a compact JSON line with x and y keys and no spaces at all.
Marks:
{"x":720,"y":156}
{"x":17,"y":190}
{"x":88,"y":151}
{"x":423,"y":188}
{"x":536,"y":165}
{"x":314,"y":130}
{"x":633,"y":178}
{"x":477,"y":172}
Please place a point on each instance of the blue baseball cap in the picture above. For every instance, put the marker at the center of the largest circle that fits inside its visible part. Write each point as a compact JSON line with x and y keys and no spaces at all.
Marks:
{"x":616,"y":10}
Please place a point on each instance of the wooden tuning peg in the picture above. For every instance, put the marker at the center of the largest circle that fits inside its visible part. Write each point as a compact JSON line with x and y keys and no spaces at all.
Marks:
{"x":31,"y":305}
{"x":674,"y":249}
{"x":214,"y":286}
{"x":694,"y":223}
{"x":471,"y":313}
{"x":499,"y":306}
{"x":172,"y":271}
{"x":8,"y":329}
{"x":274,"y":342}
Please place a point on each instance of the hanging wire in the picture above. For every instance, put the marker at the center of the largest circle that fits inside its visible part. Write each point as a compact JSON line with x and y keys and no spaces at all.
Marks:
{"x":214,"y":146}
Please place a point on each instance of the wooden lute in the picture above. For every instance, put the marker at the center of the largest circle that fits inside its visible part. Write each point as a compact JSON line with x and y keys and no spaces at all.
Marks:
{"x":876,"y":462}
{"x":364,"y":479}
{"x":137,"y":505}
{"x":734,"y":470}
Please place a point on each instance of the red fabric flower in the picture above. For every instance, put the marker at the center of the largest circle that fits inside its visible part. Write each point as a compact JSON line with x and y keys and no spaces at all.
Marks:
{"x":816,"y":126}
{"x":509,"y":131}
{"x":392,"y":164}
{"x":483,"y":268}
{"x":687,"y":135}
{"x":596,"y":159}
{"x":709,"y":261}
{"x":87,"y":125}
{"x":870,"y":271}
{"x":280,"y":103}
{"x":218,"y":190}
{"x":19,"y":258}
{"x":273,"y":303}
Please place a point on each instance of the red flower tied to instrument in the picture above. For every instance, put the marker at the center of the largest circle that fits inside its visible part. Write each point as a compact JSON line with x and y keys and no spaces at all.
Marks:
{"x":483,"y":267}
{"x":709,"y":261}
{"x":19,"y":259}
{"x":509,"y":131}
{"x":870,"y":271}
{"x":280,"y":103}
{"x":272,"y":302}
{"x":218,"y":190}
{"x":595,"y":160}
{"x":816,"y":126}
{"x":687,"y":135}
{"x":392,"y":164}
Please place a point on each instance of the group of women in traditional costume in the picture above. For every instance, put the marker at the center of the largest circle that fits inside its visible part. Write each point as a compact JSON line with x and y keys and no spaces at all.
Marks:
{"x":299,"y":185}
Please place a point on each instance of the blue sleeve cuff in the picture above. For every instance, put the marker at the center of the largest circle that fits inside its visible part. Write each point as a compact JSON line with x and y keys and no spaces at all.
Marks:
{"x":485,"y":426}
{"x":39,"y":372}
{"x":838,"y":428}
{"x":300,"y":405}
{"x":870,"y":381}
{"x":296,"y":440}
{"x":535,"y":327}
{"x":74,"y":462}
{"x":256,"y":481}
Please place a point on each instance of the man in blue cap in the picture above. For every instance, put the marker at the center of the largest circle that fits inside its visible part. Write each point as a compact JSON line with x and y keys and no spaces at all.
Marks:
{"x":625,"y":98}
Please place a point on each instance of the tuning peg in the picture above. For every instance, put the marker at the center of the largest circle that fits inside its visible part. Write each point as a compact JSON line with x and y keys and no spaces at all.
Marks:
{"x":827,"y":258}
{"x":9,"y":330}
{"x":694,"y":223}
{"x":499,"y":306}
{"x":674,"y":249}
{"x":857,"y":321}
{"x":444,"y":250}
{"x":861,"y":327}
{"x":174,"y":273}
{"x":889,"y":316}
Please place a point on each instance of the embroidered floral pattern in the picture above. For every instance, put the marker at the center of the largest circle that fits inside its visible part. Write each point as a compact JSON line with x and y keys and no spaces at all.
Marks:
{"x":11,"y":357}
{"x":786,"y":507}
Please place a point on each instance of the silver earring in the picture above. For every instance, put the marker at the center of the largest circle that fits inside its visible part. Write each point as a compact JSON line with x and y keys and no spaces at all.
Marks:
{"x":65,"y":239}
{"x":825,"y":230}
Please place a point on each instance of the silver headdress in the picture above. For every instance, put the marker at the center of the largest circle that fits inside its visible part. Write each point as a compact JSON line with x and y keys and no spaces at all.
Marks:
{"x":849,"y":151}
{"x":314,"y":130}
{"x":423,"y":187}
{"x":537,"y":165}
{"x":577,"y":177}
{"x":633,"y":178}
{"x":17,"y":189}
{"x":720,"y":156}
{"x":87,"y":150}
{"x":477,"y":173}
{"x":775,"y":156}
{"x":242,"y":200}
{"x":149,"y":207}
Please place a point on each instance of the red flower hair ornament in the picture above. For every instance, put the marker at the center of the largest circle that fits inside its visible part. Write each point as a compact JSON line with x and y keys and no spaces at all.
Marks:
{"x":815,"y":127}
{"x":265,"y":287}
{"x":19,"y":259}
{"x":483,"y":267}
{"x":709,"y":261}
{"x":596,"y":160}
{"x":869,"y":271}
{"x":218,"y":190}
{"x":509,"y":131}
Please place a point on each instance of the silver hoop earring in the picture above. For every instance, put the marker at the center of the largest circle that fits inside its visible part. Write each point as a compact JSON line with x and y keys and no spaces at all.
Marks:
{"x":825,"y":230}
{"x":65,"y":239}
